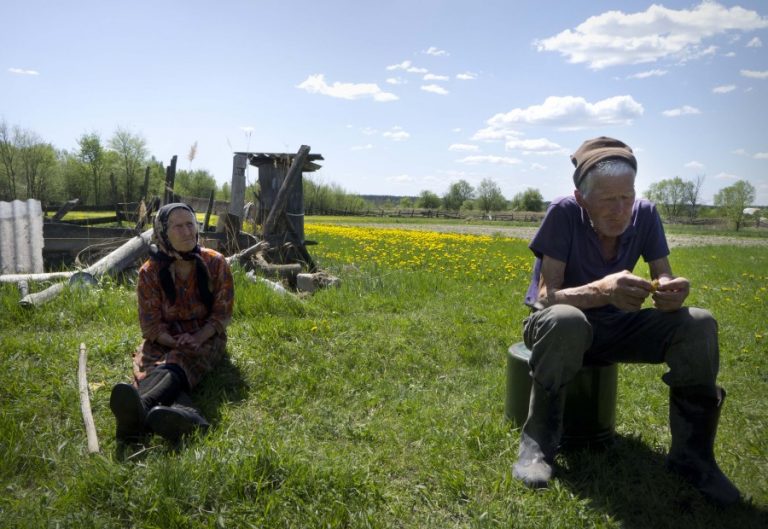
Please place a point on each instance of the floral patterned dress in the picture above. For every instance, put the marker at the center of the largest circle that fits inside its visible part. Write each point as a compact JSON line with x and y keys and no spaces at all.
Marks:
{"x":187,"y":315}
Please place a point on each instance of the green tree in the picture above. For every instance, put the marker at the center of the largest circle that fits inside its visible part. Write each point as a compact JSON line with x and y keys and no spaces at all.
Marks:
{"x":670,"y":196}
{"x":457,"y":193}
{"x":198,"y":183}
{"x":132,"y":153}
{"x":528,"y":200}
{"x":489,"y":197}
{"x":9,"y":137}
{"x":406,"y":202}
{"x":38,"y":165}
{"x":733,"y":199}
{"x":93,"y":158}
{"x":428,"y":200}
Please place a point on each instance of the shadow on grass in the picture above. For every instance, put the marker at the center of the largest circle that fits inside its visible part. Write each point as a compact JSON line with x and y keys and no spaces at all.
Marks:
{"x":628,"y":481}
{"x":222,"y":385}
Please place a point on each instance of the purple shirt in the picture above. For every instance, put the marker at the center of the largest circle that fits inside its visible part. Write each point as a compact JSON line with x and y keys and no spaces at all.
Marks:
{"x":566,"y":234}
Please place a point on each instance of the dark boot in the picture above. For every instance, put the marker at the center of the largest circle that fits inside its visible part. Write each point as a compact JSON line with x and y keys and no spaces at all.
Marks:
{"x":540,"y":437}
{"x":179,"y":419}
{"x":130,"y":404}
{"x":693,"y":416}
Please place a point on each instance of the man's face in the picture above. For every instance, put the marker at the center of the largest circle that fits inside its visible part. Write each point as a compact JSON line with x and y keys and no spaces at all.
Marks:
{"x":609,"y":203}
{"x":182,"y":230}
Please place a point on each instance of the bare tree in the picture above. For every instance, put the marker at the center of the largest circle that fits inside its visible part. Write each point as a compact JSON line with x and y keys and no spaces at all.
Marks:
{"x":8,"y":150}
{"x":692,"y":195}
{"x":132,"y":152}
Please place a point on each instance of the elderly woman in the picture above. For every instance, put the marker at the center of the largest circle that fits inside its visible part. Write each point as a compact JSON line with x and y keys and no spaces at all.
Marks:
{"x":185,"y":295}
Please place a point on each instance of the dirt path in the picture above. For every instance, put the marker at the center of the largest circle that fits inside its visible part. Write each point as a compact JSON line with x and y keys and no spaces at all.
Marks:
{"x":526,"y":233}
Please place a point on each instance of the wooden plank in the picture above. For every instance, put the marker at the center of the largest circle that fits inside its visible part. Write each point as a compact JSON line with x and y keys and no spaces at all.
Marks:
{"x":278,"y":208}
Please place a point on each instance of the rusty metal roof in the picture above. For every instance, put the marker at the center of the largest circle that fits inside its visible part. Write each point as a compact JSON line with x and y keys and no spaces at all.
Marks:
{"x":21,"y":237}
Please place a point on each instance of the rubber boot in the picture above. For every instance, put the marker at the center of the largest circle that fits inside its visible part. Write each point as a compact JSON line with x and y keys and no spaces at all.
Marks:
{"x":130,"y":404}
{"x":540,"y":437}
{"x":175,"y":421}
{"x":693,"y":416}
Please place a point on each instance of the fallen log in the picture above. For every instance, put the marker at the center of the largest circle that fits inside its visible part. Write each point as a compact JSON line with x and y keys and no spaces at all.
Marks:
{"x":16,"y":278}
{"x":85,"y":402}
{"x":277,"y":287}
{"x":283,"y":271}
{"x":244,"y":255}
{"x":112,"y":263}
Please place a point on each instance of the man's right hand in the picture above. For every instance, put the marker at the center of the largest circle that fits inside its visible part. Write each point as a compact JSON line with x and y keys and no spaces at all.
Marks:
{"x":625,"y":290}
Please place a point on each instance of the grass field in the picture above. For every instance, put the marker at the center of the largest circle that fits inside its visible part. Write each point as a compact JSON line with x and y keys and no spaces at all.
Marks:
{"x":376,"y":404}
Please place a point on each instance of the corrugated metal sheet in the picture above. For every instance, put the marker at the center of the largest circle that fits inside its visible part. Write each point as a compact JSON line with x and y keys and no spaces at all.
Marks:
{"x":21,"y":237}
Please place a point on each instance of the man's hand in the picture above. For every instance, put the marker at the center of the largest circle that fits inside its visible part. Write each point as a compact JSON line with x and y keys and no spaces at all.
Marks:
{"x":625,"y":290}
{"x":671,"y":293}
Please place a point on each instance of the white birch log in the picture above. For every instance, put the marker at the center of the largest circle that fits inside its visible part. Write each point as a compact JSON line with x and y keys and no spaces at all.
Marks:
{"x":85,"y":402}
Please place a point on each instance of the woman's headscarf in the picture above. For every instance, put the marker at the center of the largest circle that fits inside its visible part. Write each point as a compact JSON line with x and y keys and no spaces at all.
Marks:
{"x":162,"y":251}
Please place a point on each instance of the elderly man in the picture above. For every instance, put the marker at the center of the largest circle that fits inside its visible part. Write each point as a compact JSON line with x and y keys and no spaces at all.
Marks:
{"x":587,"y":308}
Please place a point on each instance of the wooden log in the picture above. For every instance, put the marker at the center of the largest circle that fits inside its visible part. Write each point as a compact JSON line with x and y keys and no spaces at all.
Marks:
{"x":247,"y":253}
{"x":286,"y":271}
{"x":277,"y":287}
{"x":281,"y":200}
{"x":16,"y":278}
{"x":66,"y":208}
{"x":209,"y":210}
{"x":112,"y":264}
{"x":237,"y":190}
{"x":85,"y":402}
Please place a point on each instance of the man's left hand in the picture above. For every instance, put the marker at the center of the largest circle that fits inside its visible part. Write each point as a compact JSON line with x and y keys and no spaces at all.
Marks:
{"x":671,"y":293}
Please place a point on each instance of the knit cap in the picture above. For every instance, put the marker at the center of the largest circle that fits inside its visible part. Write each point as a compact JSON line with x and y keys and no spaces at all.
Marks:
{"x":596,"y":150}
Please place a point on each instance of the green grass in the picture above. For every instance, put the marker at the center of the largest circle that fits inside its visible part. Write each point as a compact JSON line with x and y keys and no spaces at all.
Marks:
{"x":377,"y":404}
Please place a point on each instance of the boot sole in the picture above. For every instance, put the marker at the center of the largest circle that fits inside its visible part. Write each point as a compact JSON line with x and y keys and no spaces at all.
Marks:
{"x":126,"y":405}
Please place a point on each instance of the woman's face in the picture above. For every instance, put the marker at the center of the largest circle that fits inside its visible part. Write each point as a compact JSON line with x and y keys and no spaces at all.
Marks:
{"x":182,"y":230}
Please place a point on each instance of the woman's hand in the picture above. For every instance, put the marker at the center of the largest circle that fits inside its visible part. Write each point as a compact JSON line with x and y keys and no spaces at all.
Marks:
{"x":194,"y":341}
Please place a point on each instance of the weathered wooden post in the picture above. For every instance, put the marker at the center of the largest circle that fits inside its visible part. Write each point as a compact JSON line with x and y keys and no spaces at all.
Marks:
{"x":170,"y":179}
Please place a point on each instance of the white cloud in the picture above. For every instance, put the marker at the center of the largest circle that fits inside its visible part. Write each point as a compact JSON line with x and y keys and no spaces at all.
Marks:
{"x":761,"y":156}
{"x":755,"y":43}
{"x":538,"y":167}
{"x":684,"y":110}
{"x":647,"y":74}
{"x":396,"y":134}
{"x":434,"y":77}
{"x":463,"y":147}
{"x":435,"y":89}
{"x":730,"y":54}
{"x":400,"y":179}
{"x":456,"y":129}
{"x":21,"y":71}
{"x":724,"y":89}
{"x":406,"y":66}
{"x":740,"y":152}
{"x":315,"y":84}
{"x":395,"y":81}
{"x":754,"y":74}
{"x":726,"y":176}
{"x":495,"y":133}
{"x":369,"y":131}
{"x":615,"y":38}
{"x":435,"y":51}
{"x":365,"y":147}
{"x":693,"y":164}
{"x":466,"y":76}
{"x":572,"y":113}
{"x":497,"y":160}
{"x":535,"y":146}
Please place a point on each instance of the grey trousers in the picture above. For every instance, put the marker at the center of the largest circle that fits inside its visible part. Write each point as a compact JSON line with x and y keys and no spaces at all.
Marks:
{"x":563,"y":338}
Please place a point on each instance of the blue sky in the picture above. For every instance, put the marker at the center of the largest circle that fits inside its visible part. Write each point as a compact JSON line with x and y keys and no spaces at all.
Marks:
{"x":403,"y":96}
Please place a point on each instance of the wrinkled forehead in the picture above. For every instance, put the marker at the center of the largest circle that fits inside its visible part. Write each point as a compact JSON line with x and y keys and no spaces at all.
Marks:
{"x":179,"y":216}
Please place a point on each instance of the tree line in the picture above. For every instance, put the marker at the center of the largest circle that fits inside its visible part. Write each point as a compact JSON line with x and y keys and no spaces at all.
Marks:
{"x":487,"y":198}
{"x":104,"y":172}
{"x":100,"y":172}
